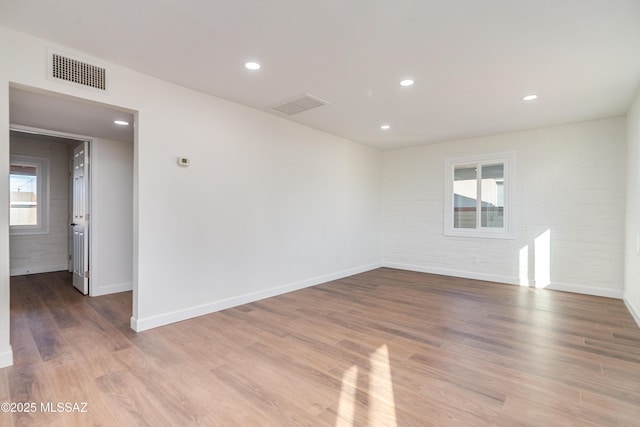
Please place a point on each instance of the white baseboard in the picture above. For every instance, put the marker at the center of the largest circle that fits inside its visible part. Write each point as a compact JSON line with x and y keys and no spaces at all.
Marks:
{"x":110,"y":289}
{"x":587,"y":290}
{"x":635,"y":313}
{"x":150,"y":322}
{"x":6,"y":358}
{"x":38,"y":270}
{"x":453,"y":273}
{"x":578,"y":289}
{"x":142,"y":324}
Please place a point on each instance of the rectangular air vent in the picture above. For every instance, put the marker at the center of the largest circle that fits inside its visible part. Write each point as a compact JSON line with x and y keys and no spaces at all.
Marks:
{"x":82,"y":73}
{"x":299,"y":104}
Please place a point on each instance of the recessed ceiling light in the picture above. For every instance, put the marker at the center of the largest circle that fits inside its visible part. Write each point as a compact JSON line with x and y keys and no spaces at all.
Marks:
{"x":407,"y":82}
{"x":121,"y":122}
{"x":385,"y":127}
{"x":252,"y":66}
{"x":530,"y":97}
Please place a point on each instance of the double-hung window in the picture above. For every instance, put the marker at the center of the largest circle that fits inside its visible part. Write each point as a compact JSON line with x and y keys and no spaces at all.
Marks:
{"x":28,"y":195}
{"x":479,"y":196}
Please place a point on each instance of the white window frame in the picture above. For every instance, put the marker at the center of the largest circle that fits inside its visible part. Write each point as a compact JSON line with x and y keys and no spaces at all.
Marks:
{"x":507,"y":231}
{"x":42,"y":168}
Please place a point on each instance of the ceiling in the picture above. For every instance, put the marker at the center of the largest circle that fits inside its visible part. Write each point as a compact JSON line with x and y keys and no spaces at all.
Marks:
{"x":62,"y":114}
{"x":472,"y":61}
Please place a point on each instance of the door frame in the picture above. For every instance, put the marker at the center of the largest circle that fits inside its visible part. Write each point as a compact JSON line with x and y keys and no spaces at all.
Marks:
{"x":80,"y":139}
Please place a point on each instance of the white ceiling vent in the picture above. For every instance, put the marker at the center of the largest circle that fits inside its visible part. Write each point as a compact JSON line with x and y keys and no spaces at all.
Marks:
{"x":77,"y":72}
{"x":300,"y":104}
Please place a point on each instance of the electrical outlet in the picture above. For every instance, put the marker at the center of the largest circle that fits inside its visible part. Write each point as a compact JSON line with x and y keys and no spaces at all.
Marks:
{"x":183,"y":161}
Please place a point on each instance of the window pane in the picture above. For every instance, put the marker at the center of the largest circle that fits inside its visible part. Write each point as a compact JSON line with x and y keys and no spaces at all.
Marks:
{"x":492,"y":190}
{"x":465,"y":194}
{"x":23,"y":185}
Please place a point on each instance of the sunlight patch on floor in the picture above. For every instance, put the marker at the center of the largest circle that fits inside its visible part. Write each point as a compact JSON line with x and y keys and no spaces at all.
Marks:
{"x":382,"y":409}
{"x":347,"y":402}
{"x":381,"y":401}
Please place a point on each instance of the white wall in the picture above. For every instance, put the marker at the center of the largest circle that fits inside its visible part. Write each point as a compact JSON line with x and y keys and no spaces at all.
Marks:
{"x":111,"y":235}
{"x":632,"y":248}
{"x":266,"y":206}
{"x":41,"y":253}
{"x":569,"y":180}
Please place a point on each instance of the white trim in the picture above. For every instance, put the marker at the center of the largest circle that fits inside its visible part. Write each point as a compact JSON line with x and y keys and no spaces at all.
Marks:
{"x":635,"y":313}
{"x":6,"y":358}
{"x":110,"y":289}
{"x":577,"y":289}
{"x":48,"y":132}
{"x":37,"y":270}
{"x":587,"y":290}
{"x":43,"y":203}
{"x":453,"y":273}
{"x":143,"y":324}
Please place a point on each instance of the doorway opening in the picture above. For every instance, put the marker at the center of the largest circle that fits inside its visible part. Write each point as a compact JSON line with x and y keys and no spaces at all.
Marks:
{"x":60,"y":125}
{"x":49,"y":204}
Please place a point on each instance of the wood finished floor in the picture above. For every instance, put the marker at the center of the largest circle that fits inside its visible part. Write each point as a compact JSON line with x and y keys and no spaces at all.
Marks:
{"x":385,"y":347}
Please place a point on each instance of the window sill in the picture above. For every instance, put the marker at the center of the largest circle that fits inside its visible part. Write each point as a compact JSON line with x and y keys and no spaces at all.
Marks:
{"x":481,"y":234}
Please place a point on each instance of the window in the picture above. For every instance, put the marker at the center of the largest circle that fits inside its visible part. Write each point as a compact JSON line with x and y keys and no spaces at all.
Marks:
{"x":478,"y":191}
{"x":28,"y":195}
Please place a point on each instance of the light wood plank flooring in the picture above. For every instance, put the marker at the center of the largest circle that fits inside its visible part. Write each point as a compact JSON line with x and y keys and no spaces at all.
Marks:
{"x":382,"y":348}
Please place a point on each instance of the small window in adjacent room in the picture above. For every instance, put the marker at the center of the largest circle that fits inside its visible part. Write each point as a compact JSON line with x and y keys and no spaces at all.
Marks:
{"x":479,"y":200}
{"x":28,"y":195}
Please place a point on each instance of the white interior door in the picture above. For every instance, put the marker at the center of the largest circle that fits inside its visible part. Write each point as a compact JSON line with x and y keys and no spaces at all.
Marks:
{"x":80,"y":218}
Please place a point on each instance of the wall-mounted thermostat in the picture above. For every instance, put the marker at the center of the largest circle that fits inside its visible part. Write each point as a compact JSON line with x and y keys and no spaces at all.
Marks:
{"x":183,"y":161}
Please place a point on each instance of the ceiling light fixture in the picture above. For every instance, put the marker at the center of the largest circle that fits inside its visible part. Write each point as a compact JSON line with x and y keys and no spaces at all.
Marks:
{"x":253,"y":66}
{"x":121,"y":123}
{"x":385,"y":127}
{"x":407,"y":82}
{"x":530,"y":97}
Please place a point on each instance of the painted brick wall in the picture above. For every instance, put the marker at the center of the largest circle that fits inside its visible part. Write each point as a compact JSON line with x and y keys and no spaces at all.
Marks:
{"x":45,"y":252}
{"x":570,"y":181}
